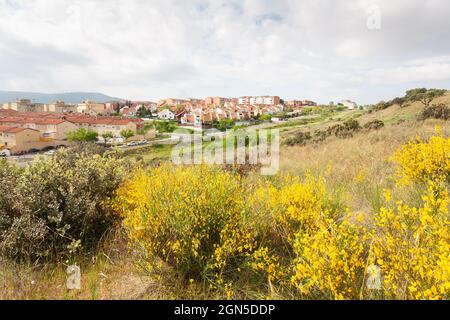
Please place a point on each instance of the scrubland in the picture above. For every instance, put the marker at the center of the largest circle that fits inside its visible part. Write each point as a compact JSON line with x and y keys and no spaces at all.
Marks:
{"x":363,"y":215}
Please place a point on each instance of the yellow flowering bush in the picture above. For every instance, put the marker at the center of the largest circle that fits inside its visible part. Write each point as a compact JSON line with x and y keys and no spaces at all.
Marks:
{"x":411,"y":245}
{"x":189,"y":218}
{"x":292,"y":205}
{"x":420,"y":161}
{"x":411,"y":242}
{"x":292,"y":236}
{"x":330,"y":263}
{"x":290,"y":211}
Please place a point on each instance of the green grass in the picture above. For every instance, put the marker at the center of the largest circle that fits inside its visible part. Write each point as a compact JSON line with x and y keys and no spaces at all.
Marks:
{"x":155,"y":152}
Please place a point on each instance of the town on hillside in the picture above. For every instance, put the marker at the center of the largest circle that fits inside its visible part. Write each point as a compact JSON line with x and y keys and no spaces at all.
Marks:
{"x":26,"y":126}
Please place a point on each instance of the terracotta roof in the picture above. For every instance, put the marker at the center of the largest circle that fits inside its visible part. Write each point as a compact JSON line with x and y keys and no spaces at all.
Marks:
{"x":102,"y":120}
{"x":8,"y":129}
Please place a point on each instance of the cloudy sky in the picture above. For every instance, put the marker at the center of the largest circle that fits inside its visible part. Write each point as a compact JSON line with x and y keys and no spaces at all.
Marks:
{"x":325,"y":50}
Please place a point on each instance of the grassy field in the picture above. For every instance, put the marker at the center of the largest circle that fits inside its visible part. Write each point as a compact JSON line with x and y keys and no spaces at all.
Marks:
{"x":358,"y":169}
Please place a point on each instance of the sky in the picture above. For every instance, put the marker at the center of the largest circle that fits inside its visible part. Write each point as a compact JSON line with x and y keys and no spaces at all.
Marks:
{"x":323,"y":50}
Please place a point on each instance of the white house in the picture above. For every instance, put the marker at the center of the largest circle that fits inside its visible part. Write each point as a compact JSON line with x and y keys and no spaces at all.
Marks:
{"x":350,"y":104}
{"x":166,"y":114}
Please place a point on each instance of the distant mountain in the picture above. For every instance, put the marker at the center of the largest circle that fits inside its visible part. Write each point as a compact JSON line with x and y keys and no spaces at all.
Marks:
{"x":69,"y":97}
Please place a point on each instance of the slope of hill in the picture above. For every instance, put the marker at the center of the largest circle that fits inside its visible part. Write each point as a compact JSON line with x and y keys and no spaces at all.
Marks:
{"x":69,"y":97}
{"x":396,"y":113}
{"x":364,"y":156}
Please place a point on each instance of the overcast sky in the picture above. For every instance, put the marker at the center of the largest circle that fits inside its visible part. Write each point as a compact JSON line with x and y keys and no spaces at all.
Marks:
{"x":149,"y":49}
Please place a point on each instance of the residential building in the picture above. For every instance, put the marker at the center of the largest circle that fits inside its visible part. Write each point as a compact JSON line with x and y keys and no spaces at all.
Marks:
{"x":93,"y":108}
{"x":244,"y":100}
{"x":23,"y":105}
{"x":349,"y":104}
{"x":309,"y":103}
{"x":216,"y":101}
{"x":17,"y":139}
{"x":103,"y":125}
{"x":59,"y":107}
{"x":171,"y":102}
{"x":260,"y":100}
{"x":166,"y":114}
{"x":295,"y":104}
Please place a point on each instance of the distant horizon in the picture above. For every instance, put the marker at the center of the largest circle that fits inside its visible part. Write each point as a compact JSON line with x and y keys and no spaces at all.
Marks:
{"x":113,"y":98}
{"x":147,"y":100}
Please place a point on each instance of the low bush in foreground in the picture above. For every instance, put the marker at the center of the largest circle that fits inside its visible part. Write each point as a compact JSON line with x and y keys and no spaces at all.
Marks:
{"x":192,"y":219}
{"x":55,"y":207}
{"x":291,"y":237}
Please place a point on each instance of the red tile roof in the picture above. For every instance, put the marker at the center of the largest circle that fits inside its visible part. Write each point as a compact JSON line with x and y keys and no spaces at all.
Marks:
{"x":8,"y":129}
{"x":48,"y":118}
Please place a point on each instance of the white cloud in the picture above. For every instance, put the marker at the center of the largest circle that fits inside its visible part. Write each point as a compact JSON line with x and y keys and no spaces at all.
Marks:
{"x":318,"y":49}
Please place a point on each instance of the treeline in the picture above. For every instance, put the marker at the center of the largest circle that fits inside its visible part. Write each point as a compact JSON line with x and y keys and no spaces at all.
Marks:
{"x":423,"y":95}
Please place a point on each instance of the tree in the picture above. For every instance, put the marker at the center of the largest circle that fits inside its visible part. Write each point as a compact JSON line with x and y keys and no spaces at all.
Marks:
{"x":127,"y":134}
{"x":82,"y":135}
{"x":107,"y":135}
{"x":225,"y":124}
{"x":265,"y":117}
{"x":165,"y":126}
{"x":423,"y":95}
{"x":144,"y":113}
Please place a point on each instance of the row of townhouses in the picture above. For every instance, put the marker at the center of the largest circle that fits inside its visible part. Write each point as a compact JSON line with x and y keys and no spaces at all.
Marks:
{"x":22,"y":131}
{"x":199,"y":112}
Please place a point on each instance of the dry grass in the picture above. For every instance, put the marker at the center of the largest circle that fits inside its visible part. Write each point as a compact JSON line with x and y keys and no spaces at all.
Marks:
{"x":358,"y":163}
{"x":109,"y":275}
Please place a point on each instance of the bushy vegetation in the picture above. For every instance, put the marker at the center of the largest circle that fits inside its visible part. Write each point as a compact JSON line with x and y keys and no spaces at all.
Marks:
{"x":374,"y":125}
{"x":192,"y":219}
{"x":265,"y":117}
{"x":82,"y":135}
{"x":165,"y":126}
{"x":293,"y":237}
{"x":440,"y":111}
{"x":224,"y":125}
{"x":55,"y":207}
{"x":344,"y":130}
{"x":423,"y":95}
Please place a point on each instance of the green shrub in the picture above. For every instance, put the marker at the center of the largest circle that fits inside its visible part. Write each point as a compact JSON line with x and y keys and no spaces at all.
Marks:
{"x":9,"y":177}
{"x":165,"y":126}
{"x":265,"y":117}
{"x":58,"y":202}
{"x":299,"y":138}
{"x":374,"y":125}
{"x":440,"y":111}
{"x":344,"y":130}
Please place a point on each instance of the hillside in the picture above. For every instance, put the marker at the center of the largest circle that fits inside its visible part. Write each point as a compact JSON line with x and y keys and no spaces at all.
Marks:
{"x":352,"y":181}
{"x":69,"y":97}
{"x":364,"y":155}
{"x":396,"y":113}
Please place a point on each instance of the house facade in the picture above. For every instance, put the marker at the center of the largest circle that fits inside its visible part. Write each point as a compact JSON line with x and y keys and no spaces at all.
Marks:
{"x":17,"y":139}
{"x":166,"y":114}
{"x":91,"y":107}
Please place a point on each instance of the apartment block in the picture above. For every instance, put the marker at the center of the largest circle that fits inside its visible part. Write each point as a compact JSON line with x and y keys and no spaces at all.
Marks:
{"x":91,"y":107}
{"x":260,"y":100}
